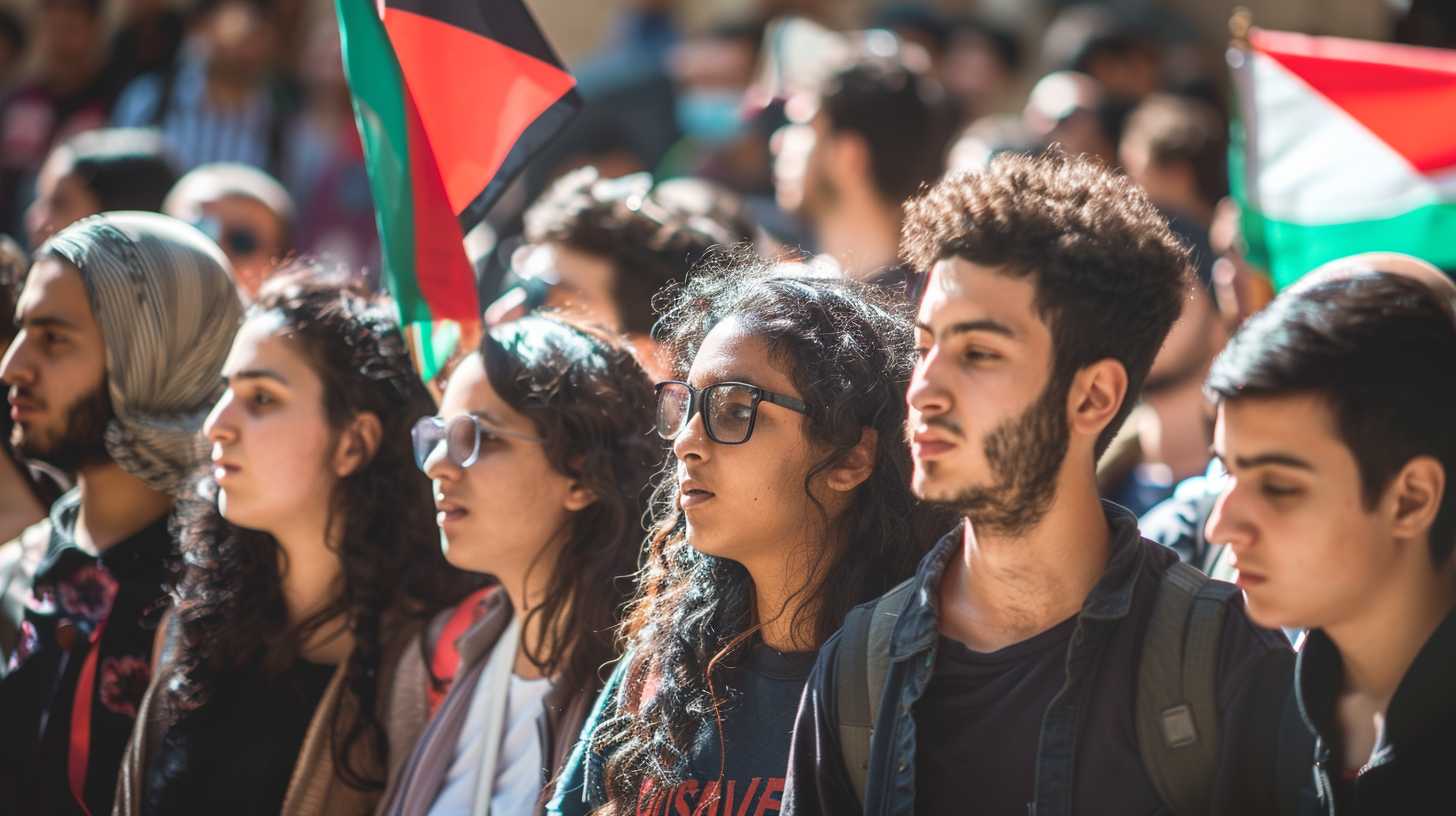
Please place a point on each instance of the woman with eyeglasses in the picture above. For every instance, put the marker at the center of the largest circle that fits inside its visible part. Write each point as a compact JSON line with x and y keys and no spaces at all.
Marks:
{"x":291,"y":676}
{"x":540,"y":461}
{"x":787,"y":503}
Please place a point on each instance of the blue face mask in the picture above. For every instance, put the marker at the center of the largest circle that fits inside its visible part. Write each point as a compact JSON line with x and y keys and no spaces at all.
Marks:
{"x":710,"y":116}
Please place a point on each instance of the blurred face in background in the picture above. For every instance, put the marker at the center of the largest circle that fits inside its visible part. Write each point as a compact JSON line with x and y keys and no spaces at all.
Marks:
{"x":69,"y":40}
{"x":239,"y":40}
{"x":61,"y":199}
{"x":249,"y":232}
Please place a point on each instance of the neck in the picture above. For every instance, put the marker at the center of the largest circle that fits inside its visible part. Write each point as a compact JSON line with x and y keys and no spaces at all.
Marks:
{"x":862,"y":234}
{"x":780,"y":597}
{"x":1004,"y":589}
{"x":1379,"y":641}
{"x":226,"y":92}
{"x":1175,"y":433}
{"x":115,"y":506}
{"x":312,"y":578}
{"x":526,"y":590}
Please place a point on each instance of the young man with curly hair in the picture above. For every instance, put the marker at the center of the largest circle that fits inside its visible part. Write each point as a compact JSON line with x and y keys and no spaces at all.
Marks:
{"x":1045,"y":658}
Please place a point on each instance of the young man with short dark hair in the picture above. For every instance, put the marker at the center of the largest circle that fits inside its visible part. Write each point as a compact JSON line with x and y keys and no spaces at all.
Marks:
{"x":1335,"y":406}
{"x":1045,"y":659}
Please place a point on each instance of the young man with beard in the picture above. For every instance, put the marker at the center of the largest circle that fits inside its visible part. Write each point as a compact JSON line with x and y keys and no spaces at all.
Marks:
{"x":1010,"y":671}
{"x":125,"y":320}
{"x":1334,"y":412}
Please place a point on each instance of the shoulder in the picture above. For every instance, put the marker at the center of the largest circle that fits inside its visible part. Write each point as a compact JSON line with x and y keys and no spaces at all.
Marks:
{"x":139,"y":100}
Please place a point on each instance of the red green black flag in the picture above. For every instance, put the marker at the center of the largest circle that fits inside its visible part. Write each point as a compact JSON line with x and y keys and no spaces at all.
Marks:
{"x":452,"y":98}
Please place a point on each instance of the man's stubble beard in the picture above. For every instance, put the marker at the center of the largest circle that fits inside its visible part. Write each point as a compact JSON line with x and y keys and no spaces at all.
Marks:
{"x":83,"y":437}
{"x":1025,"y":455}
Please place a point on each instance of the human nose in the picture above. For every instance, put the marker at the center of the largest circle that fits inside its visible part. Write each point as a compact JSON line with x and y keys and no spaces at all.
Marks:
{"x":218,"y":427}
{"x":15,"y":367}
{"x":438,"y":465}
{"x":1227,"y":523}
{"x":925,"y":395}
{"x":692,"y":441}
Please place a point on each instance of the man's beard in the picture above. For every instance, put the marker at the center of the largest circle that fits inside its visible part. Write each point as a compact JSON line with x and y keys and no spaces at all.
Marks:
{"x":81,"y":443}
{"x":1024,"y":454}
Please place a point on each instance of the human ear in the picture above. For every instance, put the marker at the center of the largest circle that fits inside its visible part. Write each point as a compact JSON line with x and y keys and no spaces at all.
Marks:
{"x":1096,"y":395}
{"x":357,"y":444}
{"x":1415,"y":497}
{"x":578,"y":495}
{"x":856,"y":465}
{"x":850,"y":154}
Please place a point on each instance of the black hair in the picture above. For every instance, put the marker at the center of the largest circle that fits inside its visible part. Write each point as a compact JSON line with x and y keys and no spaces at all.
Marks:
{"x":848,"y":351}
{"x":651,"y":234}
{"x":1379,"y":349}
{"x":902,"y":113}
{"x":1110,"y":278}
{"x":12,"y":31}
{"x":124,"y":168}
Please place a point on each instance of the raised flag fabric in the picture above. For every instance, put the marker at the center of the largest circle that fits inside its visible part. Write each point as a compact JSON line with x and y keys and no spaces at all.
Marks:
{"x":1343,"y":146}
{"x":452,"y":98}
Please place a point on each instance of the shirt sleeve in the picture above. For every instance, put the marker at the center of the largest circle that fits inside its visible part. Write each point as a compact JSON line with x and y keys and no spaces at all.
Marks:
{"x":1255,"y":696}
{"x":138,"y":104}
{"x":817,"y":780}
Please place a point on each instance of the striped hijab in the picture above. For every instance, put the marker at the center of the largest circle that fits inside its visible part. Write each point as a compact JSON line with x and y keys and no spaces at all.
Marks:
{"x":163,"y":295}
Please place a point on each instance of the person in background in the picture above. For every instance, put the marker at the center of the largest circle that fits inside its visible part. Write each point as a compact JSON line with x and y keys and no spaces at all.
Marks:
{"x":1018,"y":649}
{"x":1176,"y":149}
{"x":980,"y":67}
{"x":785,"y":504}
{"x":1070,"y":109}
{"x":125,"y":321}
{"x":1112,"y":47}
{"x":540,"y":463}
{"x":148,"y":39}
{"x":1334,"y":425}
{"x":600,"y":249}
{"x":245,"y":210}
{"x":223,"y":100}
{"x":291,"y":675}
{"x":70,"y":93}
{"x":99,"y":171}
{"x":12,"y":48}
{"x":877,"y":131}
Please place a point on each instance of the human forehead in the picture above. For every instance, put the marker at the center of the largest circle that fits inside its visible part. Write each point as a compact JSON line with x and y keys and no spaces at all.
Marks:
{"x":54,"y":290}
{"x":1249,"y":430}
{"x":731,"y":352}
{"x":469,"y":392}
{"x":960,"y":292}
{"x":263,"y":342}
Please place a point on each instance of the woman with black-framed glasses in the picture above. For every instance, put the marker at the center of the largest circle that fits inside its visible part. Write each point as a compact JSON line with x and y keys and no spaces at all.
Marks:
{"x":540,"y":461}
{"x":786,"y":504}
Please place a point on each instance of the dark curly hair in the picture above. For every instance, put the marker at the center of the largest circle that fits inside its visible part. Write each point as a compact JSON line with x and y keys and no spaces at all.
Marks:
{"x":229,"y":597}
{"x":848,"y":351}
{"x":1110,"y":277}
{"x":651,"y":234}
{"x":591,"y":401}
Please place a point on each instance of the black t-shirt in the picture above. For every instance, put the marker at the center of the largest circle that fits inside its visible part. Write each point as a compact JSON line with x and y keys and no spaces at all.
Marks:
{"x":236,"y":753}
{"x":761,"y":698}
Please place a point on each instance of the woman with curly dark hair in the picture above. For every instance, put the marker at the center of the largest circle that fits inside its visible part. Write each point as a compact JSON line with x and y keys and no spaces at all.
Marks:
{"x":786,"y":504}
{"x":291,"y":676}
{"x":540,"y":462}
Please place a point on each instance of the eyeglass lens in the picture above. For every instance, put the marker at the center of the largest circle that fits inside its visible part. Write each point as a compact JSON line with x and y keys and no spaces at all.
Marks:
{"x":461,"y":436}
{"x":728,"y":411}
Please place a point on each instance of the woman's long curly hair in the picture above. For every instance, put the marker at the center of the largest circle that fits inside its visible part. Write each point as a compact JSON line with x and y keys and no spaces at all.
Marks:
{"x":848,"y":349}
{"x":229,"y":597}
{"x":588,"y":397}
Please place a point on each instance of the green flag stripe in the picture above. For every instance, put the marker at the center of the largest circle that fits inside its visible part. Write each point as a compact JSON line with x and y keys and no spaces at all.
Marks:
{"x":379,"y":109}
{"x":1291,"y":250}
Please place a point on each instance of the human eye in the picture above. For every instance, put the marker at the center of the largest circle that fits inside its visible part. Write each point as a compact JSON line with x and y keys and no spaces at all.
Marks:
{"x":260,"y":399}
{"x":1277,"y":490}
{"x":974,"y":355}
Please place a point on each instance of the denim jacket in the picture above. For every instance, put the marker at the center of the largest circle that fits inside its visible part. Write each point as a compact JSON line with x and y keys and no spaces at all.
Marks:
{"x":1118,"y":606}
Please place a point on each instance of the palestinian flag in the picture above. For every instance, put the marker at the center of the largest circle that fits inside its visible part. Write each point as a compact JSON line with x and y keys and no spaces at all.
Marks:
{"x":452,"y":98}
{"x":1347,"y":146}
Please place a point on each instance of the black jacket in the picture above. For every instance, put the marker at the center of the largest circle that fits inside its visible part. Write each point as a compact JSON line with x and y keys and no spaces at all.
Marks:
{"x":1411,"y":769}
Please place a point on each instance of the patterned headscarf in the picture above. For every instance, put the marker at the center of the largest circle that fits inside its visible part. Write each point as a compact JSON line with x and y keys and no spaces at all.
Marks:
{"x":163,"y":295}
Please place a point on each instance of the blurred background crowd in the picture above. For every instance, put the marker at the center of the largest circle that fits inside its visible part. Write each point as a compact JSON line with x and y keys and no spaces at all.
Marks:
{"x":798,"y":125}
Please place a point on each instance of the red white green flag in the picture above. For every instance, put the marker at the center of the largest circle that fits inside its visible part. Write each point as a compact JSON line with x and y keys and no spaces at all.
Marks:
{"x":1347,"y":146}
{"x":452,"y":98}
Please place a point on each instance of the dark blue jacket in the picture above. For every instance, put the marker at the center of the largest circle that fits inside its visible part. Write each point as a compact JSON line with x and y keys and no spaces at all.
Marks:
{"x":1254,"y":675}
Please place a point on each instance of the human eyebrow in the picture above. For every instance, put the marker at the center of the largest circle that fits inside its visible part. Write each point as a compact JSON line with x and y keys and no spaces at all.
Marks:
{"x":1273,"y":458}
{"x":255,"y":374}
{"x":967,"y":326}
{"x":44,"y":322}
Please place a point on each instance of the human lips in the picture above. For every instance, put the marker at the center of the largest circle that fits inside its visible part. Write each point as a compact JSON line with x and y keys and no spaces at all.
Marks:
{"x":692,"y":493}
{"x":448,"y":510}
{"x":1247,"y":578}
{"x":22,"y":406}
{"x":927,"y":444}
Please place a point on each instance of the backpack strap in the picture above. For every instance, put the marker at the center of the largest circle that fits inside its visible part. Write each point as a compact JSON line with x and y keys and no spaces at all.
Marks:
{"x":1177,"y":707}
{"x":861,"y":668}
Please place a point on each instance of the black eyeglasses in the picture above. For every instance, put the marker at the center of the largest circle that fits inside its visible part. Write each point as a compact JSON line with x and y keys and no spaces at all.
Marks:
{"x":729,"y":409}
{"x":461,"y":436}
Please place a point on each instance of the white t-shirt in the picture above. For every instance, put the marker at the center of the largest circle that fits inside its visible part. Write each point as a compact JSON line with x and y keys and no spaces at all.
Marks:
{"x":518,"y":770}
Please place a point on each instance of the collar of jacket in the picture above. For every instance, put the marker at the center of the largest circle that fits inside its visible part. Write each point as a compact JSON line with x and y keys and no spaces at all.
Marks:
{"x":1422,"y":706}
{"x":475,"y":644}
{"x":1110,"y":599}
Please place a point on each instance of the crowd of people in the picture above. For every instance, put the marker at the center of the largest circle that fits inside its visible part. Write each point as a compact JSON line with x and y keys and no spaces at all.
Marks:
{"x":847,"y":435}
